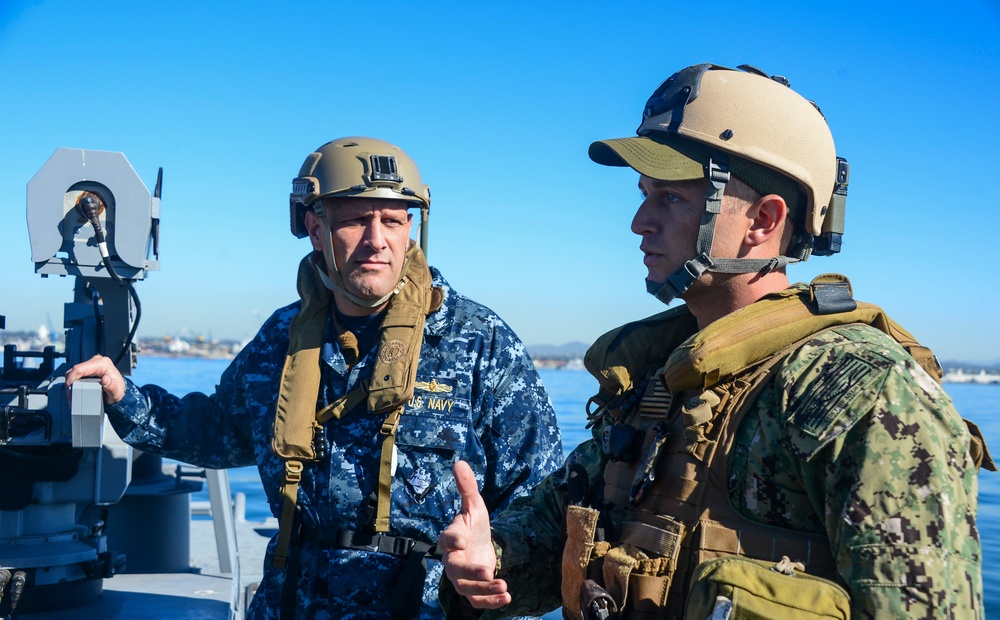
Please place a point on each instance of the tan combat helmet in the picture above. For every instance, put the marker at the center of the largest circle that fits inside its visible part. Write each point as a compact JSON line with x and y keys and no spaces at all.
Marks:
{"x":707,"y":121}
{"x":355,"y":167}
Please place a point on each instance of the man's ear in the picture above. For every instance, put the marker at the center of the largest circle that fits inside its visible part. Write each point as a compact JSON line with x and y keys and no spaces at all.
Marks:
{"x":315,"y":228}
{"x":768,"y":216}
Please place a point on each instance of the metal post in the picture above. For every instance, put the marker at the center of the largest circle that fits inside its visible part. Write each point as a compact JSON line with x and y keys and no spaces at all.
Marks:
{"x":225,"y":533}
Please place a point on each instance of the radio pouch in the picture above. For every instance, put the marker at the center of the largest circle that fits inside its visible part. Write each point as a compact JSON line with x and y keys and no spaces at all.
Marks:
{"x":738,"y":588}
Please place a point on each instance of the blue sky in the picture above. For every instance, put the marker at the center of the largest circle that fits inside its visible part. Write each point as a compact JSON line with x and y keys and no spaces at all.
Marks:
{"x":497,"y":103}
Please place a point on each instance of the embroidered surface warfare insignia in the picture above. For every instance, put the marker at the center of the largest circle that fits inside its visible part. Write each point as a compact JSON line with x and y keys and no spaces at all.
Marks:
{"x":391,"y":351}
{"x":432,"y":386}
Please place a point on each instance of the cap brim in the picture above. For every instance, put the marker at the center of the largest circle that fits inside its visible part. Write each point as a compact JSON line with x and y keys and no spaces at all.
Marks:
{"x":650,"y":157}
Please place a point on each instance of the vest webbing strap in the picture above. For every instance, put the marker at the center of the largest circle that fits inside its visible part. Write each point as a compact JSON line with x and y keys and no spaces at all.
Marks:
{"x":388,"y":432}
{"x":296,"y":419}
{"x":293,"y":473}
{"x":660,"y":541}
{"x":289,"y":491}
{"x":344,"y":404}
{"x":714,"y":540}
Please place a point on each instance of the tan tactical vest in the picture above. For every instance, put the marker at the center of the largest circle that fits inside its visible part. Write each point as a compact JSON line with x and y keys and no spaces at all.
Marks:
{"x":297,"y":422}
{"x":684,"y":517}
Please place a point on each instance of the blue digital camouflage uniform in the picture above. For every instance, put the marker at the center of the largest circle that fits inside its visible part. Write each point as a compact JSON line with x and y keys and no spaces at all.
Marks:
{"x":850,"y":438}
{"x":478,"y":398}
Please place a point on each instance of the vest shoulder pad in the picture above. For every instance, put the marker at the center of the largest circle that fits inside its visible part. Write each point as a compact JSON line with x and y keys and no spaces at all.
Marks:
{"x":626,"y":352}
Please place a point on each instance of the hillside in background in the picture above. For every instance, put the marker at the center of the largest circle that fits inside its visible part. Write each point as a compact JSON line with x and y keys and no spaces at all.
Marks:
{"x":568,"y":351}
{"x":972,"y":367}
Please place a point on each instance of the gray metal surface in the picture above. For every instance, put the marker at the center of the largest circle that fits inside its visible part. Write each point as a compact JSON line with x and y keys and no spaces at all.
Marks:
{"x":62,"y":240}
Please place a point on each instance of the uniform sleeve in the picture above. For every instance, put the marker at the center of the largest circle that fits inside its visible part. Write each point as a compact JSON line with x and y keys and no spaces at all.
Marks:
{"x":216,"y":430}
{"x":195,"y":429}
{"x":520,"y":444}
{"x":531,"y":535}
{"x":521,"y":440}
{"x":884,"y":460}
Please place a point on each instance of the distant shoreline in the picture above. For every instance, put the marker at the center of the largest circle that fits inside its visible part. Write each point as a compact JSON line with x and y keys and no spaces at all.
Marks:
{"x":547,"y":357}
{"x":187,"y":356}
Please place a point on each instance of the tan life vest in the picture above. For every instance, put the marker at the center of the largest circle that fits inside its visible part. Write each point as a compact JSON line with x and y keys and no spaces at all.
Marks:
{"x":297,"y":423}
{"x":684,"y":516}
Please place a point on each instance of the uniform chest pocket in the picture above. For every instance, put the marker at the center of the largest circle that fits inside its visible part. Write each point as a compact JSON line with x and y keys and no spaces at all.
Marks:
{"x":435,"y":426}
{"x":428,"y":443}
{"x":436,"y":418}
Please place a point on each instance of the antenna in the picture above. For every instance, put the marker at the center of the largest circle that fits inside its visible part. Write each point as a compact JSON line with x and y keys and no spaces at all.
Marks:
{"x":158,"y":190}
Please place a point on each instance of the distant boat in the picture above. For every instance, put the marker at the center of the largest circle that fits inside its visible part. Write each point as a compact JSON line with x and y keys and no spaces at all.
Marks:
{"x":575,"y":363}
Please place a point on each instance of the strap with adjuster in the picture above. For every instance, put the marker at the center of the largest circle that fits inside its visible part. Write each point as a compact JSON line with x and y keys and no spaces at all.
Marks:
{"x":344,"y":404}
{"x":352,"y":539}
{"x":388,"y":432}
{"x":290,"y":491}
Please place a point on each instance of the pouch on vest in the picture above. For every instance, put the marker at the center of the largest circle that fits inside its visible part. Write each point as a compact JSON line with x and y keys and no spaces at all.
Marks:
{"x":738,"y":588}
{"x":578,"y":553}
{"x":636,"y":572}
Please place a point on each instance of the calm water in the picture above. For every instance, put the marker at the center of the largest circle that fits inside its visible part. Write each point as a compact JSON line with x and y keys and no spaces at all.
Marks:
{"x":569,"y":391}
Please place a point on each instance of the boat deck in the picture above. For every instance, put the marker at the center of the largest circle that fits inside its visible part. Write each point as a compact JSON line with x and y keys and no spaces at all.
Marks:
{"x":202,"y":594}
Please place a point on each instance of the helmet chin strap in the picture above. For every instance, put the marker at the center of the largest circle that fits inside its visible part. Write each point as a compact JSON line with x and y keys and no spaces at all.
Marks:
{"x":687,"y":274}
{"x":332,"y":280}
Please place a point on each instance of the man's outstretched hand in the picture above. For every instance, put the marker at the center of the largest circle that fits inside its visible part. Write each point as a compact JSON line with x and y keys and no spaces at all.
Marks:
{"x":467,"y":544}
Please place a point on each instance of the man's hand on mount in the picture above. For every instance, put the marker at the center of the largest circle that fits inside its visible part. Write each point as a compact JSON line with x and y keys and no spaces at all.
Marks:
{"x":99,"y":367}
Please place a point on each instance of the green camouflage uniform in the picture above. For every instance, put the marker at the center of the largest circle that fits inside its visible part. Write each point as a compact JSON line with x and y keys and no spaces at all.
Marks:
{"x":850,"y":438}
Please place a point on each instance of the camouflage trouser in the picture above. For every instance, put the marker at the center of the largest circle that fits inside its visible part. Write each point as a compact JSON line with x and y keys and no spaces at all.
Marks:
{"x":345,"y":584}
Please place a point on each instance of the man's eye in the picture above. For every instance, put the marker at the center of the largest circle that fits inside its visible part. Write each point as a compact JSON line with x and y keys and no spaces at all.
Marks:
{"x":351,"y":221}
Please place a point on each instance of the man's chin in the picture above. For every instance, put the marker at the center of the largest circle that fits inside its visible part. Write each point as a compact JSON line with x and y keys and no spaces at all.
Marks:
{"x":661,"y":272}
{"x":369,"y":292}
{"x":655,"y":275}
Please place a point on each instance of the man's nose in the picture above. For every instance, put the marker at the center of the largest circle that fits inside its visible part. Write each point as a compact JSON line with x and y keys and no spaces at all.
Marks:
{"x":641,"y":222}
{"x":375,"y":234}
